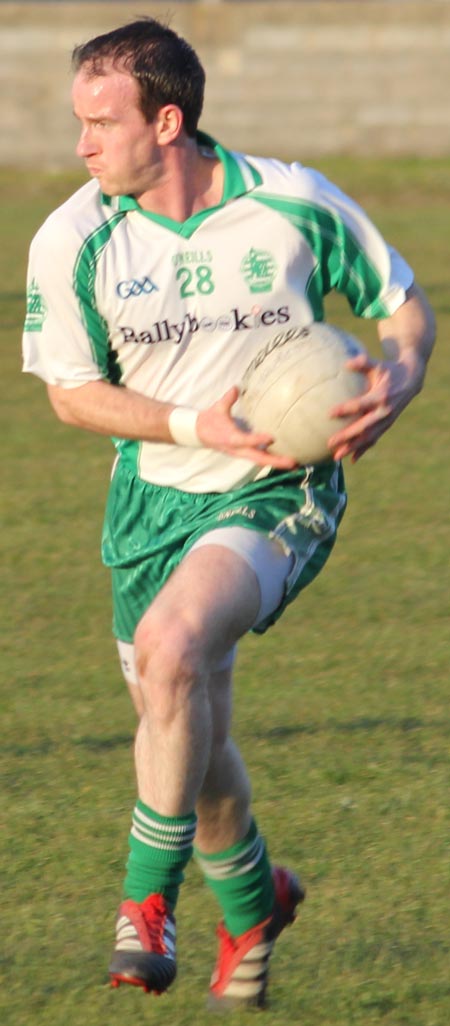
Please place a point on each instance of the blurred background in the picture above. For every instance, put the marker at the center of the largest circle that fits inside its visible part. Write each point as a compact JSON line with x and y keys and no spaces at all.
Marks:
{"x":342,"y":710}
{"x":368,"y":77}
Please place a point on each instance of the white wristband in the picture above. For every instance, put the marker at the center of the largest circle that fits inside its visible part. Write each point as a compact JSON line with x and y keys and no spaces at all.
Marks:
{"x":183,"y":426}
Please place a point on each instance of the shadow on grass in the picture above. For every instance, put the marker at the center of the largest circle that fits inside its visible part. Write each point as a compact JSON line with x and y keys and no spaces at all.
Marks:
{"x":46,"y":746}
{"x":360,"y":725}
{"x":95,"y":743}
{"x":104,"y":744}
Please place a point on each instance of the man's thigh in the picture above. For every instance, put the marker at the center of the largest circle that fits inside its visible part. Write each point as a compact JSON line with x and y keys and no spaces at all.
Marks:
{"x":210,"y":600}
{"x":149,"y":531}
{"x":264,"y":558}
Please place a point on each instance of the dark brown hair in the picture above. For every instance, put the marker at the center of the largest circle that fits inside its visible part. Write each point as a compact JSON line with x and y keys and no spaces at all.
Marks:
{"x":164,"y":65}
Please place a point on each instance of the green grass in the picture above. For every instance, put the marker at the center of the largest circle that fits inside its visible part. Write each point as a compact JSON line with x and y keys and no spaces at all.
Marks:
{"x":341,"y":711}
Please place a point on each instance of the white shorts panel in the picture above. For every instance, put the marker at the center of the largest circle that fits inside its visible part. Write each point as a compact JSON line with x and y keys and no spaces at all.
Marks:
{"x":266,"y":557}
{"x":128,"y":662}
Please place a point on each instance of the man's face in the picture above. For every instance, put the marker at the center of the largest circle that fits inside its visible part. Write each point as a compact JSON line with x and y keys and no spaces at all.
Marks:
{"x":116,"y":142}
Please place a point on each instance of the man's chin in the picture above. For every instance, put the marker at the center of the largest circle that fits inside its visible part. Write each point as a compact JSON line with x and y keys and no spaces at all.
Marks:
{"x":106,"y":187}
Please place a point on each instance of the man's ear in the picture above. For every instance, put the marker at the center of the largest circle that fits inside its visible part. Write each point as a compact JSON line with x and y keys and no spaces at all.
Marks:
{"x":168,"y":124}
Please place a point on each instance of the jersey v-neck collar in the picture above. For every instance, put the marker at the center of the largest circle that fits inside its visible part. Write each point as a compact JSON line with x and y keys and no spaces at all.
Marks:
{"x":239,"y":179}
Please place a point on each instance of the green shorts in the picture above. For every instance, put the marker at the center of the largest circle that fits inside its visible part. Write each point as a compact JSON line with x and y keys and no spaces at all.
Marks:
{"x":148,"y":529}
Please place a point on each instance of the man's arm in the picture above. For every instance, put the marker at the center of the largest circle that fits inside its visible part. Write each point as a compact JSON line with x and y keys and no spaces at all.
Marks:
{"x":113,"y":410}
{"x":407,"y":339}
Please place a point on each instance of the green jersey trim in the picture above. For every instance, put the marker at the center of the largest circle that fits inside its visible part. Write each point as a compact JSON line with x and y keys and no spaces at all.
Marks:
{"x":84,"y":287}
{"x":235,"y":185}
{"x":341,"y":263}
{"x":96,"y":325}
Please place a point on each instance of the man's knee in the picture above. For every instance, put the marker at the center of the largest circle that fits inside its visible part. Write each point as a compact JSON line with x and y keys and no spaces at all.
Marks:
{"x":168,"y":658}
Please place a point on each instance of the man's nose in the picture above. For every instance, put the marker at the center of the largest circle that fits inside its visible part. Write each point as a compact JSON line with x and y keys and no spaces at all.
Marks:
{"x":86,"y":144}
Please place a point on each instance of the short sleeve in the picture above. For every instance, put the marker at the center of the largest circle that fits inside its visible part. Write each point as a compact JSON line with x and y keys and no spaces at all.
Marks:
{"x":56,"y":345}
{"x":360,"y":262}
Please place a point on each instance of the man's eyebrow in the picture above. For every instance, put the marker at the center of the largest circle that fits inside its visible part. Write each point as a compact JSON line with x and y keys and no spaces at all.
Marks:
{"x":93,"y":117}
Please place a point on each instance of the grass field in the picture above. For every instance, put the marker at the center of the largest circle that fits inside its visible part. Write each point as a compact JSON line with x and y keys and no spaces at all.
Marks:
{"x":341,"y":711}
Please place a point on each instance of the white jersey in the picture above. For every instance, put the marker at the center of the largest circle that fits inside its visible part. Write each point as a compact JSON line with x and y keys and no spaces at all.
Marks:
{"x":177,"y":311}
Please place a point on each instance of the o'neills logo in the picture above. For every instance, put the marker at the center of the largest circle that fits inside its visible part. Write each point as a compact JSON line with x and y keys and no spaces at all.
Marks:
{"x":167,"y":331}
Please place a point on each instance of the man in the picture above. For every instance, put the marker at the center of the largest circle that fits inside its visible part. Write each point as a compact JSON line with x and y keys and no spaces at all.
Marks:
{"x":149,"y":292}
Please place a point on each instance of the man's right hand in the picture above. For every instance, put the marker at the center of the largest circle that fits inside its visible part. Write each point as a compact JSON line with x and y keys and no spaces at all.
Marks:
{"x":217,"y":429}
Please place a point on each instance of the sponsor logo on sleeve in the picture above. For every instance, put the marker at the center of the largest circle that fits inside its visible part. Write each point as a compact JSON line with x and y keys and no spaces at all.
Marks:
{"x":36,"y":308}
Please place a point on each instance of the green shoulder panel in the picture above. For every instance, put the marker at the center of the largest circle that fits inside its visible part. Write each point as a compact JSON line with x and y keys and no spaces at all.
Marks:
{"x":340,"y":261}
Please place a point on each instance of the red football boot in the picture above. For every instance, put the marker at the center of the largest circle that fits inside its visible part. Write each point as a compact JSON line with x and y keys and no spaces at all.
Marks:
{"x":144,"y":955}
{"x":240,"y":977}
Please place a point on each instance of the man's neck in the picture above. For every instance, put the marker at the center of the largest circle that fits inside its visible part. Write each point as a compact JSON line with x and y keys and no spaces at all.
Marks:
{"x":191,"y":180}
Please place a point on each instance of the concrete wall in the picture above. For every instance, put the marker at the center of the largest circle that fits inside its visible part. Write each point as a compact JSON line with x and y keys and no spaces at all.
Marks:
{"x":297,"y":79}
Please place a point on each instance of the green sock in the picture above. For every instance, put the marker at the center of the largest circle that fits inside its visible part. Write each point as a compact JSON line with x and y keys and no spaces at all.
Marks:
{"x":160,"y":848}
{"x":241,"y":879}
